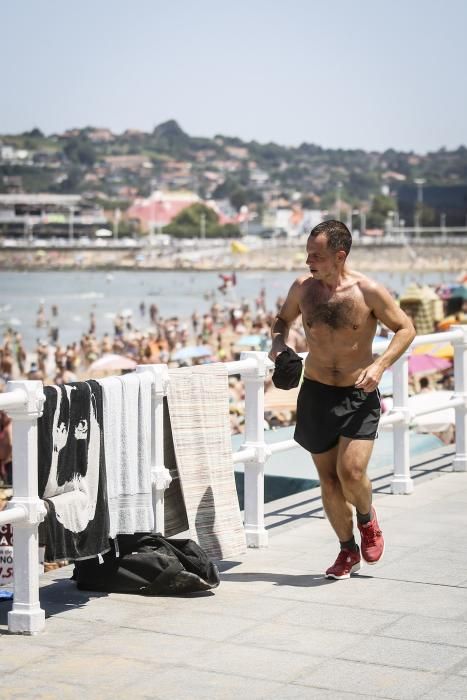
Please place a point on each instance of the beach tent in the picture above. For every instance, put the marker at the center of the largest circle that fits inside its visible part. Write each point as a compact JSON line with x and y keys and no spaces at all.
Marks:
{"x":424,"y":306}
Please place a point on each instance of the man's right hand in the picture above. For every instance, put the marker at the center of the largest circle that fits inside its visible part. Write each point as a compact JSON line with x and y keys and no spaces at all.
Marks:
{"x":276,"y":350}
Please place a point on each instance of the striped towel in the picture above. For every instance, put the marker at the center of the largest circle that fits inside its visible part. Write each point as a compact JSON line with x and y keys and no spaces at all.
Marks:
{"x":175,"y":517}
{"x":198,"y":401}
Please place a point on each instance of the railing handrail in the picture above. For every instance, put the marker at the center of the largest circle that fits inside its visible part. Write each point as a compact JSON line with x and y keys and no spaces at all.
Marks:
{"x":11,"y":400}
{"x":25,"y":399}
{"x":436,"y":338}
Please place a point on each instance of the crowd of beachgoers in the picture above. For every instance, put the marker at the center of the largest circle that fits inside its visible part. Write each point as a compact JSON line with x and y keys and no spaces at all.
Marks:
{"x":219,"y":335}
{"x":216,"y":336}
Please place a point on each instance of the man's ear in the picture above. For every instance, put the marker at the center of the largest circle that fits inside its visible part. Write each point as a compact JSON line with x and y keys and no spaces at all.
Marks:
{"x":341,"y":256}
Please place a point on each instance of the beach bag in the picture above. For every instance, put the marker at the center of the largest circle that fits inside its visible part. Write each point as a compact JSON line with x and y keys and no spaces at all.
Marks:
{"x":148,"y":564}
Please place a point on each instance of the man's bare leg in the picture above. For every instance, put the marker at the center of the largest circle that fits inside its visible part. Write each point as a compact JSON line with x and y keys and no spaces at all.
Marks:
{"x":352,"y":462}
{"x":336,"y":507}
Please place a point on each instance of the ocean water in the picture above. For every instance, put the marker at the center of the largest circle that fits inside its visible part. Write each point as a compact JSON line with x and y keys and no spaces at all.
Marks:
{"x":176,"y":293}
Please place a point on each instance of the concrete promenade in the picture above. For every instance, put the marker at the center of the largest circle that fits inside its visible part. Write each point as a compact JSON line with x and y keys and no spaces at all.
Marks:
{"x":275,"y":628}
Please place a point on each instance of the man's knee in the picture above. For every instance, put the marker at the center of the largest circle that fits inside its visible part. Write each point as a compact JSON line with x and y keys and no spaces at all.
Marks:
{"x":329,"y":483}
{"x":351,"y":474}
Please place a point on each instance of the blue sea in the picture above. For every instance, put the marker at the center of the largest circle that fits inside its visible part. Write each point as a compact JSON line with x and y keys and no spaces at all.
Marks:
{"x":176,"y":293}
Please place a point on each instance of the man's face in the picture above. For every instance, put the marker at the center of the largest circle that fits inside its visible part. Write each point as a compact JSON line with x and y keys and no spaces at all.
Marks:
{"x":321,"y":261}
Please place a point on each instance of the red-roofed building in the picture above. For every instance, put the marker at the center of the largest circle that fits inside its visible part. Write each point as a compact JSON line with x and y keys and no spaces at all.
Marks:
{"x":161,"y":208}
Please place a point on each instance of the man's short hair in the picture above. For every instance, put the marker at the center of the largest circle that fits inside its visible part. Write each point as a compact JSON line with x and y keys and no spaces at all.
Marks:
{"x":337,"y":234}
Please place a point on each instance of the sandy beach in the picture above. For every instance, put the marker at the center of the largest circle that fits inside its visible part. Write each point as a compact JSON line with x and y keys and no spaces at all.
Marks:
{"x":286,"y":256}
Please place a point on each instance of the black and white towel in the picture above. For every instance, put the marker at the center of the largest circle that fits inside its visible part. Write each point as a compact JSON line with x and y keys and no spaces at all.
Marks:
{"x":72,"y":476}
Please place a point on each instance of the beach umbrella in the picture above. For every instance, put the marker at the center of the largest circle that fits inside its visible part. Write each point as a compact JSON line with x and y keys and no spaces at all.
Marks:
{"x":112,"y":363}
{"x":446,"y":350}
{"x":255,"y":340}
{"x":427,"y":364}
{"x":459,"y":292}
{"x":436,"y":422}
{"x":192,"y":352}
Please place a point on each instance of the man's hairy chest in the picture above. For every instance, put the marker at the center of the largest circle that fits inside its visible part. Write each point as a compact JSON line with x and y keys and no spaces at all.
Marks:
{"x":339,"y":311}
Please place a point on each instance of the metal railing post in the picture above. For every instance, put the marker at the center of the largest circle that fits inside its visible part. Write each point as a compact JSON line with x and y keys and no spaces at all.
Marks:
{"x":26,"y":616}
{"x":255,"y":531}
{"x":460,"y":391}
{"x":160,"y":476}
{"x":402,"y":482}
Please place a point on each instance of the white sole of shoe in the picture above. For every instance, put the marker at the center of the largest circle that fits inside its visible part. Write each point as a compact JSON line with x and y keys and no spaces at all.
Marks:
{"x":355,"y":567}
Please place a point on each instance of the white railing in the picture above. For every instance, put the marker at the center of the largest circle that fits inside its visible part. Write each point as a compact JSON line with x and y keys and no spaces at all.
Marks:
{"x":24,"y":401}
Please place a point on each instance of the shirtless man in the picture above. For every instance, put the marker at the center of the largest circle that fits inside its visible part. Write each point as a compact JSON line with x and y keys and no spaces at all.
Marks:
{"x":338,"y":406}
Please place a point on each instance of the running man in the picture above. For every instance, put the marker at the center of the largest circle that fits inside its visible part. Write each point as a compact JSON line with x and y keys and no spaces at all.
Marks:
{"x":338,"y":407}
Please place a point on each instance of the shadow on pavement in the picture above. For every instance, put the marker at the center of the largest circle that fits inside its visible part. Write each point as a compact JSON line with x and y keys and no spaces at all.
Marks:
{"x":299,"y":580}
{"x":59,"y":596}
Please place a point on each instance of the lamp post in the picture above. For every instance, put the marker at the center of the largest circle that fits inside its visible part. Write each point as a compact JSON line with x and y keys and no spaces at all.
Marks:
{"x":419,"y":181}
{"x":202,"y":225}
{"x":390,"y":222}
{"x":362,"y":222}
{"x":443,"y":224}
{"x":338,"y":201}
{"x":117,"y":217}
{"x":71,"y":211}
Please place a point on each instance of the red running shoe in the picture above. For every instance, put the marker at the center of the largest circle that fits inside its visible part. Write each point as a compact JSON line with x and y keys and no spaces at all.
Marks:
{"x":347,"y":563}
{"x":372,"y":540}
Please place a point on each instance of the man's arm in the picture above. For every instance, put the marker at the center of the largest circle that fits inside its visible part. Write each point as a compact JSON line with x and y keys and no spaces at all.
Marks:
{"x":281,"y":325}
{"x":386,"y":310}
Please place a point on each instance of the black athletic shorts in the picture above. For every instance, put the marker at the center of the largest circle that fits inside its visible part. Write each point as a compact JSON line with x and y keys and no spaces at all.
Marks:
{"x":325,"y":412}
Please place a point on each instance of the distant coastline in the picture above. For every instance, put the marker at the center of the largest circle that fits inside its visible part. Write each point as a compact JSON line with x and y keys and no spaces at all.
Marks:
{"x":377,"y":258}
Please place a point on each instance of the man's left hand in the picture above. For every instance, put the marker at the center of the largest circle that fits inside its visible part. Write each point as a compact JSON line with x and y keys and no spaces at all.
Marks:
{"x":369,"y":378}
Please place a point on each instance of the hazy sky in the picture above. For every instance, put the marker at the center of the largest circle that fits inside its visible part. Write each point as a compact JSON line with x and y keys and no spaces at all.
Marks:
{"x":339,"y":73}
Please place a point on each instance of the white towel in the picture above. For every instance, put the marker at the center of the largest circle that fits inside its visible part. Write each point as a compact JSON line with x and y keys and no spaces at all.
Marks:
{"x":127,"y":444}
{"x":198,"y":400}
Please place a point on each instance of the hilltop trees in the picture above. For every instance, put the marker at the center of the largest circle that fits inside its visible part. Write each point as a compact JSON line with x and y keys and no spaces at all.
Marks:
{"x":380,"y":207}
{"x":199,"y":221}
{"x":80,"y":151}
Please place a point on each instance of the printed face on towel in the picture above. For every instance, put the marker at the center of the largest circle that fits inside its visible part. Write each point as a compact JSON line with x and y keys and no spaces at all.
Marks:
{"x":74,"y":444}
{"x":70,"y":434}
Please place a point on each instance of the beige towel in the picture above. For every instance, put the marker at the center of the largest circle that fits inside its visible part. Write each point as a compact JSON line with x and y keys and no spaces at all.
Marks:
{"x":198,"y":401}
{"x":175,"y":517}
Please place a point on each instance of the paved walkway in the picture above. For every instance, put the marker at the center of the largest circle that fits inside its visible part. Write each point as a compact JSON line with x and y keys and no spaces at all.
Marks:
{"x":275,"y":628}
